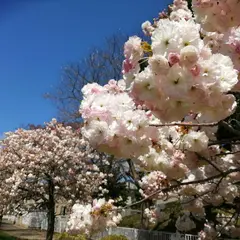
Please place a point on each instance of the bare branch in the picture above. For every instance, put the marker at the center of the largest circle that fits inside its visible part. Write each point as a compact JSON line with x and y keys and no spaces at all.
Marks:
{"x":101,"y":65}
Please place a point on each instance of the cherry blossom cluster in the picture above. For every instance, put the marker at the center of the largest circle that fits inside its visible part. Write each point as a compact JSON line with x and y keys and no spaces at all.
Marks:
{"x":158,"y":215}
{"x":216,"y":16}
{"x":153,"y":182}
{"x":230,"y":229}
{"x":227,"y":220}
{"x":184,"y":223}
{"x":181,"y":71}
{"x":220,"y":27}
{"x":208,"y":233}
{"x":177,"y":11}
{"x":108,"y":127}
{"x":92,"y":218}
{"x":165,"y":112}
{"x":195,"y":197}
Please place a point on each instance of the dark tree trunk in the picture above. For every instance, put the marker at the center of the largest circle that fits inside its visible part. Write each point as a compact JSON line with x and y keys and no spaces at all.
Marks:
{"x":51,"y":210}
{"x":143,"y":223}
{"x":1,"y":217}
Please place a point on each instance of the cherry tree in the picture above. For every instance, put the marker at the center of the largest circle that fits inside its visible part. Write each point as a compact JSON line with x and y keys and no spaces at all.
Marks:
{"x":4,"y":193}
{"x":47,"y":165}
{"x":177,"y":92}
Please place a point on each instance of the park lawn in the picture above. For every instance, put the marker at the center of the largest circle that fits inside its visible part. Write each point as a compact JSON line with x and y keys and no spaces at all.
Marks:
{"x":4,"y":236}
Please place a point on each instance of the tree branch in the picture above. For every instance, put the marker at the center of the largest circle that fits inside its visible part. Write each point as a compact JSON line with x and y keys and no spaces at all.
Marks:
{"x":209,"y":162}
{"x":187,"y":124}
{"x":223,"y":174}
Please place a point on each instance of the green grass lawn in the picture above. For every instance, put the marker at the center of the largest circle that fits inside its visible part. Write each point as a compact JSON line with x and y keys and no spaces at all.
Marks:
{"x":4,"y":236}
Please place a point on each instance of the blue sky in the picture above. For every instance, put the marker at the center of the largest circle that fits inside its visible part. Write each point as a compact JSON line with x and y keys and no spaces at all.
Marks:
{"x":39,"y":37}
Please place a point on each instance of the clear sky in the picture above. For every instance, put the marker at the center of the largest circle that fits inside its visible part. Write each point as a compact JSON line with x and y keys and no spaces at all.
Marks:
{"x":39,"y":37}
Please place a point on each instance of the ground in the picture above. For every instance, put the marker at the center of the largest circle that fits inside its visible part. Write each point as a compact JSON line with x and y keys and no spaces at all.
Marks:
{"x":10,"y":231}
{"x":4,"y":236}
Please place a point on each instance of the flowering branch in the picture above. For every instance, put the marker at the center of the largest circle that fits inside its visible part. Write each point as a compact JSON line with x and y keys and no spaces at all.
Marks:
{"x":186,"y":124}
{"x":210,"y":162}
{"x":222,"y":174}
{"x":224,"y":226}
{"x":187,"y":86}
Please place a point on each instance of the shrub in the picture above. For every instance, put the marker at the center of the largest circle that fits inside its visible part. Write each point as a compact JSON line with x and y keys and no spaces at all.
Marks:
{"x":66,"y":236}
{"x":132,"y":221}
{"x":114,"y":237}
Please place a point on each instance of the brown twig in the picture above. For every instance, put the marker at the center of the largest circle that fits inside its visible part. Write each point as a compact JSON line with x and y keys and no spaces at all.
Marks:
{"x":226,"y":153}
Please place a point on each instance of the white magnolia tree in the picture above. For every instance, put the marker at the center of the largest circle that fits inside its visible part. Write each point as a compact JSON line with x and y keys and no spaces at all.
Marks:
{"x":165,"y":114}
{"x":48,"y":165}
